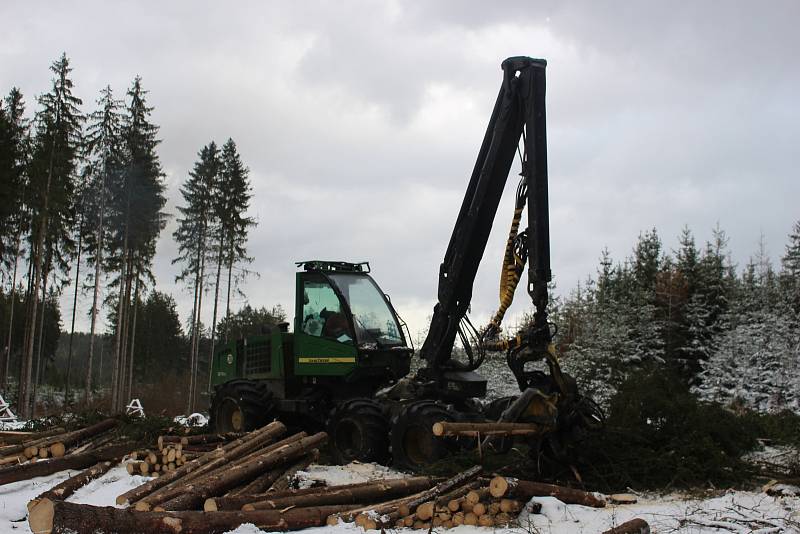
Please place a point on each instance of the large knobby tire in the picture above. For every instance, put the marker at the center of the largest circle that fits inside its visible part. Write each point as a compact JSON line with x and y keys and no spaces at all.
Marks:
{"x":241,"y":406}
{"x":358,"y":430}
{"x":495,"y":409}
{"x":413,"y":444}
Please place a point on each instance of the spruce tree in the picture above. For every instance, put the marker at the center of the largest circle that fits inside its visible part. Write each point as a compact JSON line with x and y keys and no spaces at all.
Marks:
{"x":193,"y":236}
{"x":235,"y":223}
{"x":230,"y":202}
{"x":104,"y":166}
{"x":55,"y":152}
{"x":790,"y":265}
{"x":136,"y":218}
{"x":14,"y":156}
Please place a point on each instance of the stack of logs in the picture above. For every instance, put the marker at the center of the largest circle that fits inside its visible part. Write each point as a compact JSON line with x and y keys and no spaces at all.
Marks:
{"x":174,"y":451}
{"x":49,"y":452}
{"x":464,"y":500}
{"x":246,"y":479}
{"x":22,"y":447}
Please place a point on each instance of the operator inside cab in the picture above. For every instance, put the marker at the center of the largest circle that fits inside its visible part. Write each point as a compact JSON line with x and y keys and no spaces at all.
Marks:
{"x":322,"y":316}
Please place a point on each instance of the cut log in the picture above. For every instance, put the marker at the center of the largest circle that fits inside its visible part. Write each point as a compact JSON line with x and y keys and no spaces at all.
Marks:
{"x":31,"y":444}
{"x":272,"y":477}
{"x":510,"y":506}
{"x":58,"y":449}
{"x":72,"y":484}
{"x":16,"y":437}
{"x":13,"y":459}
{"x":202,"y":439}
{"x":274,"y":429}
{"x":219,"y":465}
{"x":525,"y":489}
{"x":424,"y":511}
{"x":375,"y":492}
{"x":390,"y":509}
{"x":219,"y":482}
{"x":634,"y":526}
{"x":62,"y":517}
{"x":623,"y":498}
{"x":456,"y":495}
{"x":163,"y":440}
{"x":485,"y":521}
{"x":514,"y":410}
{"x":236,"y":502}
{"x":284,"y":482}
{"x":446,"y":428}
{"x":77,"y":436}
{"x":74,"y":461}
{"x":259,"y":484}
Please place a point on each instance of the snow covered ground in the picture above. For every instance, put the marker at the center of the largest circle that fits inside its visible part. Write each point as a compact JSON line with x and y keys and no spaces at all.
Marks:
{"x":737,"y":511}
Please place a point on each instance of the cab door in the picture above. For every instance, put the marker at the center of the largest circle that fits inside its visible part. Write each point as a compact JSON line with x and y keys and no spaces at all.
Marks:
{"x":324,"y":344}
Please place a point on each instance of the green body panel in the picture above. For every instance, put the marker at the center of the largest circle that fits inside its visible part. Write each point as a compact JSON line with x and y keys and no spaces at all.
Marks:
{"x":322,"y":357}
{"x":224,"y":365}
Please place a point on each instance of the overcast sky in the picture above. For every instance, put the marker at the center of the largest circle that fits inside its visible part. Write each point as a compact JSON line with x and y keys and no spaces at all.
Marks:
{"x":361,"y":121}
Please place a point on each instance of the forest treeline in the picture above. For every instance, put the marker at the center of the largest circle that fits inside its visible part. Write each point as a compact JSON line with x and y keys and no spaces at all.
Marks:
{"x":82,"y":205}
{"x":732,"y":332}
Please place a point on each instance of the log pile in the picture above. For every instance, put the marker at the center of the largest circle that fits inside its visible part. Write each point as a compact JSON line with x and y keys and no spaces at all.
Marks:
{"x":28,"y":447}
{"x":235,"y":479}
{"x":153,"y":463}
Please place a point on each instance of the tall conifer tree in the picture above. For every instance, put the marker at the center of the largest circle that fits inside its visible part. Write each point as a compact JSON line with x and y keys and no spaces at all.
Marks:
{"x":194,"y":240}
{"x":55,"y":153}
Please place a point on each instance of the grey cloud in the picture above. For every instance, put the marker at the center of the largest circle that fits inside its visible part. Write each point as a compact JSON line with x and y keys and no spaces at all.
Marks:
{"x":361,"y":121}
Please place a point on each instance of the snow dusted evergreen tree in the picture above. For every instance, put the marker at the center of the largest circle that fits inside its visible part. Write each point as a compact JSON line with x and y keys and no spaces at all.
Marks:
{"x":790,"y":274}
{"x":756,"y":361}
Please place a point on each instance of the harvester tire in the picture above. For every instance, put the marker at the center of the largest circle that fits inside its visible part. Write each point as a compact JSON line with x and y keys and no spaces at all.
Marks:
{"x":358,"y":430}
{"x":413,"y":444}
{"x":493,"y":412}
{"x":241,"y":406}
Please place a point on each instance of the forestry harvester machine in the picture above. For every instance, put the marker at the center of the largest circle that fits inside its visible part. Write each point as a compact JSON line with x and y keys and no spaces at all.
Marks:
{"x":345,"y":367}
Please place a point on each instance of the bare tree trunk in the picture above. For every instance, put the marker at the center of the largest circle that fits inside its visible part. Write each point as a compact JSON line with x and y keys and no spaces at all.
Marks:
{"x":74,"y":309}
{"x":199,"y":331}
{"x":133,"y":336}
{"x":102,"y":352}
{"x":191,"y":345}
{"x":96,"y":295}
{"x":41,"y":338}
{"x":9,"y":338}
{"x":214,"y":319}
{"x":123,"y":368}
{"x":228,"y":298}
{"x":27,"y":365}
{"x":26,"y":330}
{"x":115,"y":373}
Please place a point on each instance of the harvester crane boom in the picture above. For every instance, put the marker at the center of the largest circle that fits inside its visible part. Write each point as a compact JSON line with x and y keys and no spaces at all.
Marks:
{"x":519,"y":112}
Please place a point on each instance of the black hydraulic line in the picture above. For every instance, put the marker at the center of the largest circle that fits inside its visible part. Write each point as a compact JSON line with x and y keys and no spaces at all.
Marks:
{"x":519,"y":106}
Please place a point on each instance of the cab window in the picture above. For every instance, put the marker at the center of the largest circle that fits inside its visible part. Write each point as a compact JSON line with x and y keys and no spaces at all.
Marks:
{"x":322,"y":313}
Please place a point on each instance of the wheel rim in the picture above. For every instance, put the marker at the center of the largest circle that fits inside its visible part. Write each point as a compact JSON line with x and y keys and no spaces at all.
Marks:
{"x":349,"y":439}
{"x":418,"y":445}
{"x":230,"y":416}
